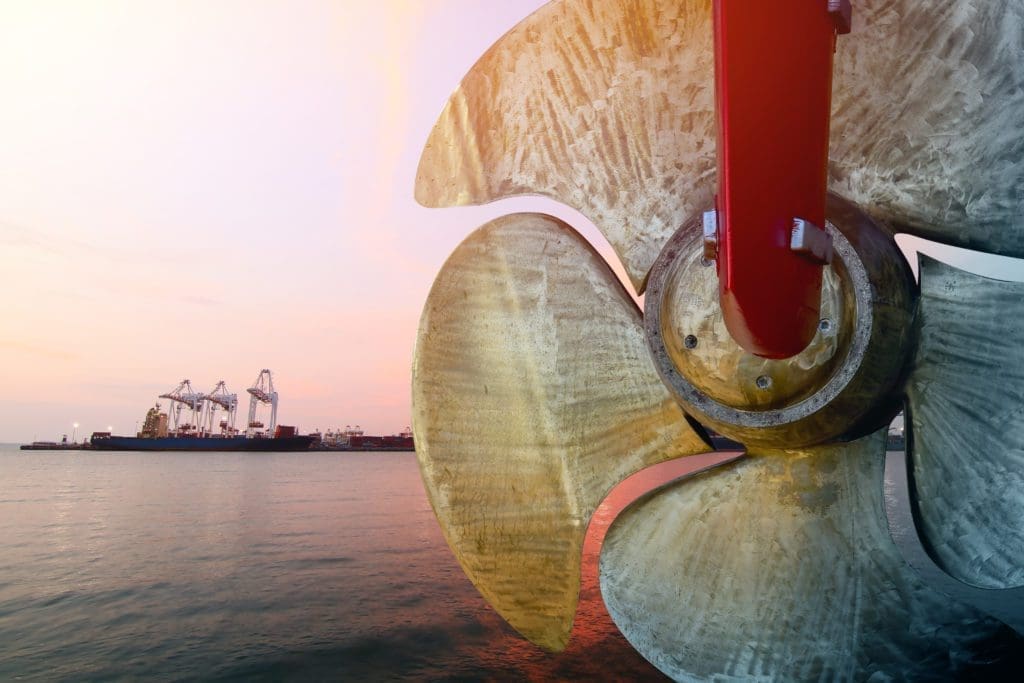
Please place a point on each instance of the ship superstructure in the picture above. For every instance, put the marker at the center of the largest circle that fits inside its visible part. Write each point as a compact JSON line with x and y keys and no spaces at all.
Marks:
{"x":155,"y":424}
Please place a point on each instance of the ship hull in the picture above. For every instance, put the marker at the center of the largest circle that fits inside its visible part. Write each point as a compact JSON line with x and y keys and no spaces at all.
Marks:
{"x":366,"y":449}
{"x":197,"y":443}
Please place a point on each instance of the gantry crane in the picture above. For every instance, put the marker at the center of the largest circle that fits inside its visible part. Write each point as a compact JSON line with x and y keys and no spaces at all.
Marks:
{"x":262,"y":391}
{"x":185,"y":397}
{"x":219,"y":397}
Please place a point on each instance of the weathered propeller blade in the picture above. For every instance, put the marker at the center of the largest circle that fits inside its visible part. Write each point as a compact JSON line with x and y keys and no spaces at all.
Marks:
{"x":1006,"y":605}
{"x":609,"y":107}
{"x":533,"y":395}
{"x":966,"y":399}
{"x":928,"y":109}
{"x":606,"y":106}
{"x":780,"y":566}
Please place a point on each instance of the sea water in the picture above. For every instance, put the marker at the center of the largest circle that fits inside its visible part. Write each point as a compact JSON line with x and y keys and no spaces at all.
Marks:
{"x":250,"y":566}
{"x":278,"y":566}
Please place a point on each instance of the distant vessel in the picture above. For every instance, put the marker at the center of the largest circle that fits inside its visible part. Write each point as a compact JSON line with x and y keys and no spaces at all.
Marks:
{"x":166,"y":432}
{"x":353,"y":439}
{"x":54,"y":446}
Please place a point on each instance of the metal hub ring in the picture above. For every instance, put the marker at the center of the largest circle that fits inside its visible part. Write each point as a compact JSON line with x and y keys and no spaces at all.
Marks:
{"x":843,"y":384}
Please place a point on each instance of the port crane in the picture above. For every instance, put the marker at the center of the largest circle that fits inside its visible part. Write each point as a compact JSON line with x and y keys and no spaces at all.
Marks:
{"x":220,"y":398}
{"x":262,"y":391}
{"x":184,"y":396}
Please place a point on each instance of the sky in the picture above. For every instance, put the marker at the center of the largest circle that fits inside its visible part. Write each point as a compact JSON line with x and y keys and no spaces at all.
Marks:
{"x":202,"y":189}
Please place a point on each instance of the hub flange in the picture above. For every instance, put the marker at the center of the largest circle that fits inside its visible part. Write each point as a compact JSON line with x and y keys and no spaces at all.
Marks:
{"x":846,"y":381}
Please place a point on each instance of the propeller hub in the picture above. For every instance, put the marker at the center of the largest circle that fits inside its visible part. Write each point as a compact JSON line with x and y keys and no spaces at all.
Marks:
{"x":842,"y":384}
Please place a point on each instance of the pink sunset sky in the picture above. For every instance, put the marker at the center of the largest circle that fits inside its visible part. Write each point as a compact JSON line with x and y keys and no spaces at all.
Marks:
{"x":197,"y":189}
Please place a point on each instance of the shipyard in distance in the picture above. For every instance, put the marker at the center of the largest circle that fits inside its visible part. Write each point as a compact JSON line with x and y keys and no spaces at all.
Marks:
{"x":196,"y":421}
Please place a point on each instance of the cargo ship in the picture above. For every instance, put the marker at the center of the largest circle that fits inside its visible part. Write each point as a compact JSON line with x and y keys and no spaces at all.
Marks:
{"x":107,"y":442}
{"x":200,"y":430}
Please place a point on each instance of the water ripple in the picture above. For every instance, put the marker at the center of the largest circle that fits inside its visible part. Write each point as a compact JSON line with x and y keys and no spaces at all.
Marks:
{"x":229,"y":567}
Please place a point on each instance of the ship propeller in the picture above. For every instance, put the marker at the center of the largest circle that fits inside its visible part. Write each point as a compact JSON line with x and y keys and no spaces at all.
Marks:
{"x":538,"y":386}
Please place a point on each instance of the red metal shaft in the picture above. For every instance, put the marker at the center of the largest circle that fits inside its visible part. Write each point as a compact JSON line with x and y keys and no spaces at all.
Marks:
{"x":773,"y":87}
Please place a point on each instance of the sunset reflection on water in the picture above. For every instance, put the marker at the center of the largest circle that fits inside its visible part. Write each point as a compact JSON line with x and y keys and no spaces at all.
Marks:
{"x":264,"y":566}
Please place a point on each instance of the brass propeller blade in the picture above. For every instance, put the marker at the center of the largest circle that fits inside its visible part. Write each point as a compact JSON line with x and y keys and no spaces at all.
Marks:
{"x":780,"y":566}
{"x":609,"y":107}
{"x":606,"y":106}
{"x":533,"y":395}
{"x":965,"y":395}
{"x":928,"y":116}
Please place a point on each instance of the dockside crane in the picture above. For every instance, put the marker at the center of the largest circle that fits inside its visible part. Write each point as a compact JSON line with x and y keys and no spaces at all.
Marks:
{"x":262,"y":391}
{"x":220,"y":398}
{"x":185,"y":397}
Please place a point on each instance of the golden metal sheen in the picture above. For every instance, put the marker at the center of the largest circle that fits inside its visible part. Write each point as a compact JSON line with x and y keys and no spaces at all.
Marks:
{"x":780,"y":567}
{"x":608,"y":106}
{"x":533,"y":396}
{"x":605,"y":106}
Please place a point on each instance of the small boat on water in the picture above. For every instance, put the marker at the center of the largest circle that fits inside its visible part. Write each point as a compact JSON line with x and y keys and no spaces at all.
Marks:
{"x":54,"y":446}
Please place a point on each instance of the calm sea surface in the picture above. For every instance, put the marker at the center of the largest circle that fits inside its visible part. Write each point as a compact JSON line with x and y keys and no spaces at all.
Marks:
{"x":167,"y":566}
{"x":270,"y":566}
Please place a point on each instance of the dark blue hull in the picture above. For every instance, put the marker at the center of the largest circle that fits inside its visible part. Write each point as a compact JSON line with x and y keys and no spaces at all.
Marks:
{"x":206,"y":443}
